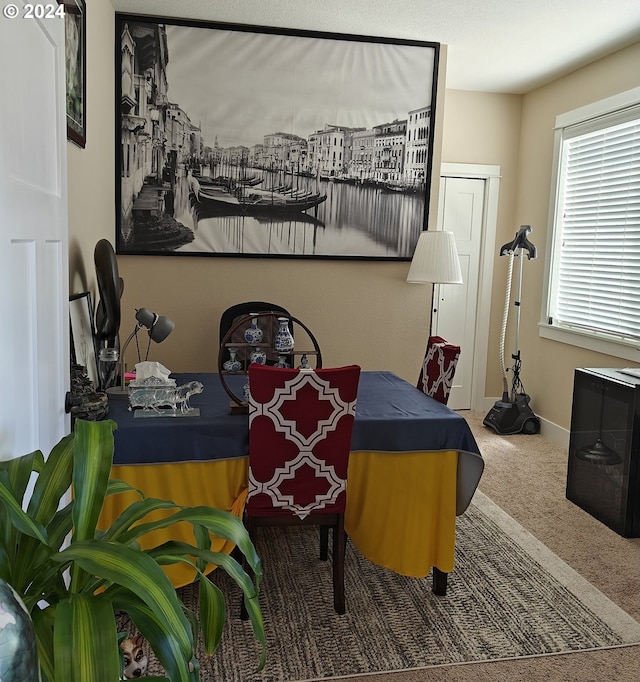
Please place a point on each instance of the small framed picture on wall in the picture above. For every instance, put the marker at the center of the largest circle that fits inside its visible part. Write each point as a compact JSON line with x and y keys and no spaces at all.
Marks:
{"x":76,"y":69}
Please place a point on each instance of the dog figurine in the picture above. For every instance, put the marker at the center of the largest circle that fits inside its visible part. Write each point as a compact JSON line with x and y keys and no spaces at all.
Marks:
{"x":134,"y":657}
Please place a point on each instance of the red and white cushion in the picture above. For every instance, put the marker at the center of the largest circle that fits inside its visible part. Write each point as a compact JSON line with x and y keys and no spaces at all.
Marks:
{"x":438,"y":368}
{"x":300,"y":424}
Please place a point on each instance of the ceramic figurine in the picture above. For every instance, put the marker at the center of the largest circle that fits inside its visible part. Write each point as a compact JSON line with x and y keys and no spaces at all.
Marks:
{"x":304,"y":363}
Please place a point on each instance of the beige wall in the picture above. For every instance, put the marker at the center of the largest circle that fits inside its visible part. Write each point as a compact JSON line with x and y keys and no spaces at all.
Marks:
{"x":91,"y":170}
{"x":360,"y":311}
{"x":549,"y":365}
{"x":484,"y":128}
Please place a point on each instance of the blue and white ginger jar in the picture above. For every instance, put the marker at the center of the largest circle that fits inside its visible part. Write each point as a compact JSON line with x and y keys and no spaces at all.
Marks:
{"x":253,"y":334}
{"x":258,"y":356}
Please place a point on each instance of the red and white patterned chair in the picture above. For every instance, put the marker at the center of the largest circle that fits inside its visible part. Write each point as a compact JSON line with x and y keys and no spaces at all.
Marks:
{"x":300,"y":424}
{"x":438,"y":369}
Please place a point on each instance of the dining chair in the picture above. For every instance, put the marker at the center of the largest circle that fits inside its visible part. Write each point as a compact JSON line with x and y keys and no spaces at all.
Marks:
{"x":300,"y":424}
{"x":232,"y":314}
{"x":438,"y":368}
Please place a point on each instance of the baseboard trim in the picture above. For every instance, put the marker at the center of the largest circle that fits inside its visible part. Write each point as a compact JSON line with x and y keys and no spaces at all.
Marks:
{"x":552,"y":432}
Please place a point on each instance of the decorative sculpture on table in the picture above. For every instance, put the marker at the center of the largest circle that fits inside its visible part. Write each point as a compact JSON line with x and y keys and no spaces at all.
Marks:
{"x":155,"y":397}
{"x":107,"y":315}
{"x":83,"y":400}
{"x":158,"y":395}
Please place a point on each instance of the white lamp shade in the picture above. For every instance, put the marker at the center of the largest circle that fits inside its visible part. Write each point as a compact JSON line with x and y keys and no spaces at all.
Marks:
{"x":435,"y":259}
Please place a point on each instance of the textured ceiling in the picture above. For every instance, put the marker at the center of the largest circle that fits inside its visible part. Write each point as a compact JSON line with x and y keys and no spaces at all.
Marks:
{"x":509,"y":46}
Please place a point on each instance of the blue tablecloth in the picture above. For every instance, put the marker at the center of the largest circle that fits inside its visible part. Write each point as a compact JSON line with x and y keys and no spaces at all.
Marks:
{"x":391,"y":416}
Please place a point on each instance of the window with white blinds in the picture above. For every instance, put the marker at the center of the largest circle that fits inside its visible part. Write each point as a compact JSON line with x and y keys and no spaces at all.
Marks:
{"x":594,"y":276}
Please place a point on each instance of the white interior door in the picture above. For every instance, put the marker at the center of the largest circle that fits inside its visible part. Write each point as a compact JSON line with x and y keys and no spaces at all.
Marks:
{"x":461,"y":211}
{"x":34,"y":290}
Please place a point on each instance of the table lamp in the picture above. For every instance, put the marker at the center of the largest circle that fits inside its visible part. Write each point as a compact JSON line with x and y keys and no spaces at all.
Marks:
{"x":158,"y":327}
{"x":435,"y":260}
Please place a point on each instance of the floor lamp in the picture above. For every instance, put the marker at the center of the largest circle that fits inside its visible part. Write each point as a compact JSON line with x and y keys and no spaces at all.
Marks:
{"x":435,"y":260}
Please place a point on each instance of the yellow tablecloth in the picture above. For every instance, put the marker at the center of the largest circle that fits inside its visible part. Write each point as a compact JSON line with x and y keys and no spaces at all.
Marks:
{"x":401,"y":507}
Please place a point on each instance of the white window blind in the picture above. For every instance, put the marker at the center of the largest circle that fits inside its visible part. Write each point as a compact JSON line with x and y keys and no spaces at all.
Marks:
{"x":595,"y":277}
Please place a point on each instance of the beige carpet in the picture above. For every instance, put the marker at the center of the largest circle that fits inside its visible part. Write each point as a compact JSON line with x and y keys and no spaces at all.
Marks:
{"x":525,"y":476}
{"x":509,"y":597}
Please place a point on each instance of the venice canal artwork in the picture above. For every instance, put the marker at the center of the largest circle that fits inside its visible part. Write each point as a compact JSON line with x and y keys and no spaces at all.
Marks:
{"x":235,"y":184}
{"x":353,"y":219}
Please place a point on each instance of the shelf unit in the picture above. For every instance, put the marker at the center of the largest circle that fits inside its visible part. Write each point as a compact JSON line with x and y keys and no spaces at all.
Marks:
{"x":238,"y":405}
{"x":266,"y":346}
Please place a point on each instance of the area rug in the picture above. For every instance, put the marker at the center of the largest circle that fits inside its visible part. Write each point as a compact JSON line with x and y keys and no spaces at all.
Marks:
{"x":508,"y":597}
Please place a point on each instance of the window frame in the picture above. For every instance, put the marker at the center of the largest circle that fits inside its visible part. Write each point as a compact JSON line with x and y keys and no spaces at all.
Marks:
{"x":591,"y":340}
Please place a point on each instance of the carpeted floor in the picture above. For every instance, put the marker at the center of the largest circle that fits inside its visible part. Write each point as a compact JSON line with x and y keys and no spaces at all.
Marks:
{"x":508,"y":597}
{"x":504,"y":602}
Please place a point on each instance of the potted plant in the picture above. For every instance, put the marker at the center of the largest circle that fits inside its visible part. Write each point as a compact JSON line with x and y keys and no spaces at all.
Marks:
{"x":73,"y":578}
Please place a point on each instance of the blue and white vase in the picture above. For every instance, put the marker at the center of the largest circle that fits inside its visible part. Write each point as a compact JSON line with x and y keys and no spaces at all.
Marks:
{"x":282,"y":362}
{"x":283,"y":341}
{"x":232,"y":364}
{"x":253,"y":334}
{"x":258,"y":356}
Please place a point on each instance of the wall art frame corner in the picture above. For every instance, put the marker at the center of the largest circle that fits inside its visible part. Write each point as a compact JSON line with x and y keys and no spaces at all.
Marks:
{"x":75,"y":21}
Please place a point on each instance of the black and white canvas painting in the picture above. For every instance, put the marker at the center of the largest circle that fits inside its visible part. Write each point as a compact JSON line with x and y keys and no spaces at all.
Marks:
{"x":244,"y":141}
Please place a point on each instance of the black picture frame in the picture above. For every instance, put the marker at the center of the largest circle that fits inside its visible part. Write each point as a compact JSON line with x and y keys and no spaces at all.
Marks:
{"x":75,"y":23}
{"x":83,"y":336}
{"x":238,"y":140}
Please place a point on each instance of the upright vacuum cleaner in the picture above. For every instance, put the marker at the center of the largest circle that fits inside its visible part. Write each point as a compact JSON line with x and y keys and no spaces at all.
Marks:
{"x":512,"y":413}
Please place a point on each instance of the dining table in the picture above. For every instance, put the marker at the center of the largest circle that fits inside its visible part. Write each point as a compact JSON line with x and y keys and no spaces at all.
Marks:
{"x":413,"y":468}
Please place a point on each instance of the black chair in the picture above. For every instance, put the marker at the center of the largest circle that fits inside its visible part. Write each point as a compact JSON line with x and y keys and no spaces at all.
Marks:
{"x":269,"y":327}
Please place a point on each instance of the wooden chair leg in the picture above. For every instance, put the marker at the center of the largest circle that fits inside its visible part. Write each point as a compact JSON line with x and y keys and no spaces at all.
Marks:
{"x":439,"y":582}
{"x":324,"y":543}
{"x":339,"y":546}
